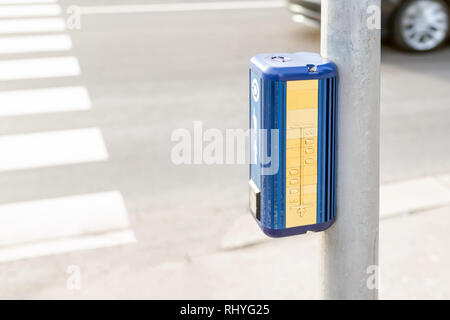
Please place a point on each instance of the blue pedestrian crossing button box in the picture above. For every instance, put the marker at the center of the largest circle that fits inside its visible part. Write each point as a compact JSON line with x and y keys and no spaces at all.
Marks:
{"x":293,"y":110}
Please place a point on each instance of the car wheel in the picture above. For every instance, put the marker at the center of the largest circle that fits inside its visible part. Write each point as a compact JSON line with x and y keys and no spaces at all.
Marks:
{"x":421,"y":25}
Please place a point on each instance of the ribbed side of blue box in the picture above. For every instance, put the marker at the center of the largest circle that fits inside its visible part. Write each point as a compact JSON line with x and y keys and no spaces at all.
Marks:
{"x":326,"y":175}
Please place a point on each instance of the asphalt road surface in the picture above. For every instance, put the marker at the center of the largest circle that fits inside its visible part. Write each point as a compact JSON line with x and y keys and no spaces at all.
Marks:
{"x":130,"y":80}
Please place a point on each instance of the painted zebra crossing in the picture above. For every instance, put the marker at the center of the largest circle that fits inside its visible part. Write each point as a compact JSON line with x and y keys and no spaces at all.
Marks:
{"x":34,"y":228}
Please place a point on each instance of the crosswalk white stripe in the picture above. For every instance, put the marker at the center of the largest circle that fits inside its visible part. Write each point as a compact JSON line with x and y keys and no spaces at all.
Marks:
{"x":49,"y":43}
{"x":22,"y":102}
{"x":71,"y":216}
{"x":66,"y":245}
{"x":39,"y":68}
{"x":44,"y":10}
{"x":51,"y":226}
{"x":54,"y":148}
{"x":26,"y":1}
{"x":16,"y":26}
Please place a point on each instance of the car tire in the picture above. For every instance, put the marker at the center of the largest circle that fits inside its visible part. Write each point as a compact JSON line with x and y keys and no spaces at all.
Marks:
{"x":421,"y":25}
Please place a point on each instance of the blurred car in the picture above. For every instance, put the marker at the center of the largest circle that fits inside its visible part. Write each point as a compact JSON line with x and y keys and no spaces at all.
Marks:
{"x":415,"y":25}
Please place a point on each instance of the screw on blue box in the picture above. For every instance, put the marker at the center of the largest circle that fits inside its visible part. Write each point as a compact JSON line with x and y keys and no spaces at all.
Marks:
{"x":293,"y":111}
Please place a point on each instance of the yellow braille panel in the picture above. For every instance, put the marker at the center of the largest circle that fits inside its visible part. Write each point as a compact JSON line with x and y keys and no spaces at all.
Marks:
{"x":301,"y":152}
{"x":311,"y":179}
{"x":303,"y":85}
{"x":302,"y":99}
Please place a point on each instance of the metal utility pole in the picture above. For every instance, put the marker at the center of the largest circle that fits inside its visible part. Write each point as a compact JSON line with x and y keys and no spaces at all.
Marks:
{"x":349,"y":249}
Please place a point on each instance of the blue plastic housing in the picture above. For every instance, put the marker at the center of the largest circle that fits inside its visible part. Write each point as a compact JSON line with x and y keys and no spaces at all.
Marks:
{"x":268,"y":76}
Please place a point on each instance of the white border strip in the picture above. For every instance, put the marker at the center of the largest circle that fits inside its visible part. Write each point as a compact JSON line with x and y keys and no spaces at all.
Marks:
{"x":181,"y":7}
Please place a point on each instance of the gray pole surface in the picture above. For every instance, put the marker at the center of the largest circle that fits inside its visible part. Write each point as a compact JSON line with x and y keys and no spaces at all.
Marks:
{"x":349,"y":249}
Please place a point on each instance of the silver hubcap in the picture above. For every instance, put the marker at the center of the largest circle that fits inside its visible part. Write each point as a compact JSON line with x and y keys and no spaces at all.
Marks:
{"x":424,"y":24}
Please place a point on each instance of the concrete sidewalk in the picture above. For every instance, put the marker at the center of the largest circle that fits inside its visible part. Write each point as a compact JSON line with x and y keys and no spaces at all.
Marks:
{"x":414,"y":262}
{"x":245,"y":264}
